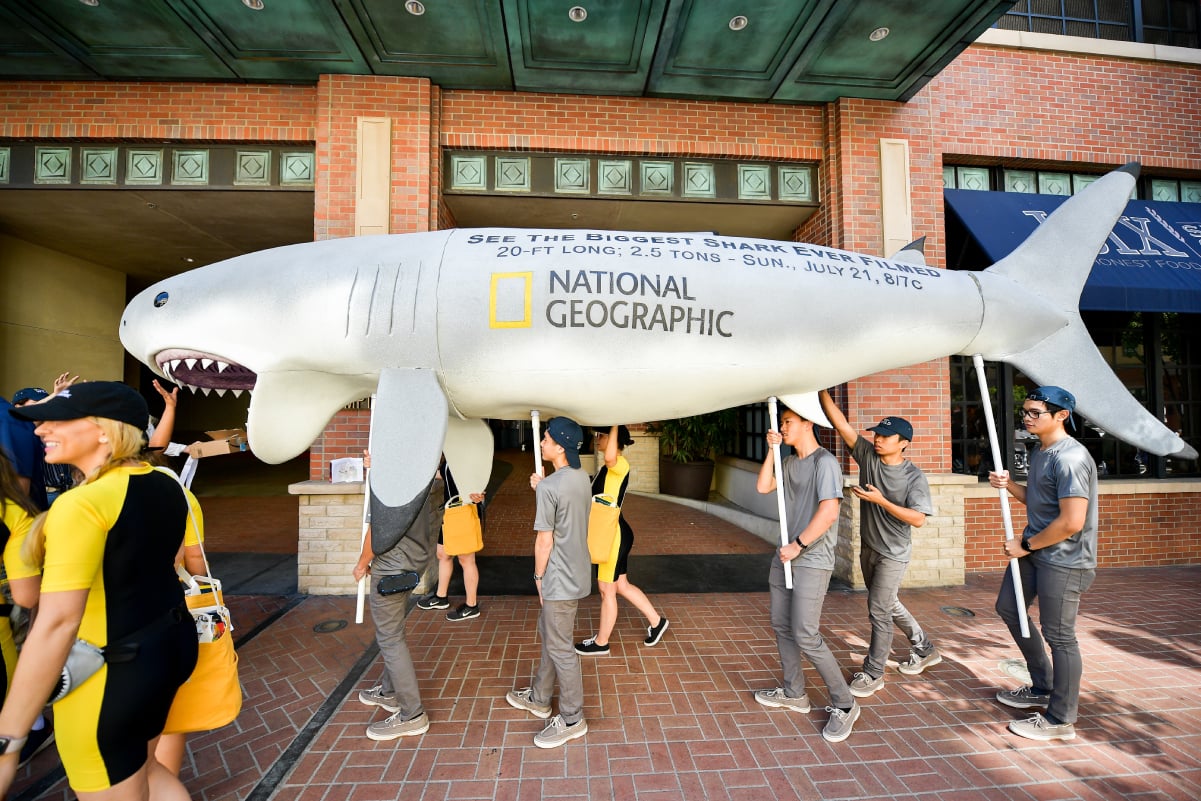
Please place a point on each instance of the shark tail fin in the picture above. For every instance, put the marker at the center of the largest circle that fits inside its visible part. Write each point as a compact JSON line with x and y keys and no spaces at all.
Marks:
{"x":1040,"y":284}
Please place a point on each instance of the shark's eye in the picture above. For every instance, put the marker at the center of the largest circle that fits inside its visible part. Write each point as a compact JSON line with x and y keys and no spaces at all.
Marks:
{"x":160,"y":300}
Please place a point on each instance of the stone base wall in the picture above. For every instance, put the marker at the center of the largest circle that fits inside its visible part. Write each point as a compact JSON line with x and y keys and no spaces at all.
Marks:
{"x":331,"y":537}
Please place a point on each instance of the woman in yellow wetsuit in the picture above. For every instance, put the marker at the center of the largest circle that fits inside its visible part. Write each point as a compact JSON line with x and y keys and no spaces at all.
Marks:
{"x":108,"y":550}
{"x":17,"y":513}
{"x":613,"y":478}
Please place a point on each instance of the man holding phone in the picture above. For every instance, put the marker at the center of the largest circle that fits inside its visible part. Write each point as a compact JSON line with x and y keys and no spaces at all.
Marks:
{"x":896,"y":498}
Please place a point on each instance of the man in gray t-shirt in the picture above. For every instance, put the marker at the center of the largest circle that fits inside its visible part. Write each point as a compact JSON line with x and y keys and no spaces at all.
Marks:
{"x":812,"y":484}
{"x":1057,"y":560}
{"x":563,"y":575}
{"x":896,"y":498}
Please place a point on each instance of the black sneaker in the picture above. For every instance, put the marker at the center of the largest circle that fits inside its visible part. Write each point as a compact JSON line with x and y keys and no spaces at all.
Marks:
{"x":655,"y":633}
{"x":589,"y":648}
{"x":433,"y":601}
{"x":37,"y":741}
{"x":464,"y":612}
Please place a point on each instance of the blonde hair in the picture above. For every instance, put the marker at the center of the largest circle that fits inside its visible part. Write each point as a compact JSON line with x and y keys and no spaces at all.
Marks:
{"x":126,"y":443}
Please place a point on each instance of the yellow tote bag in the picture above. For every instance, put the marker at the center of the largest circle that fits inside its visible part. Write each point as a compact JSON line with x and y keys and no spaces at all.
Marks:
{"x":212,"y":695}
{"x":603,"y":527}
{"x":461,"y":529}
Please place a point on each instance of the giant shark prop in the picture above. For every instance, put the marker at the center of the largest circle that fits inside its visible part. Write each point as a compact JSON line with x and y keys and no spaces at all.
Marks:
{"x":449,"y":327}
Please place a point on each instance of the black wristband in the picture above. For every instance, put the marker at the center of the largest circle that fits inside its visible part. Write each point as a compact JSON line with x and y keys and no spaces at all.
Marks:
{"x":1026,"y":546}
{"x":801,"y":545}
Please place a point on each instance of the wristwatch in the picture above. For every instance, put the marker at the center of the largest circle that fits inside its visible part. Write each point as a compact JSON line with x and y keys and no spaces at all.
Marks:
{"x":802,"y":545}
{"x":1026,"y":546}
{"x":11,"y":745}
{"x":537,"y":577}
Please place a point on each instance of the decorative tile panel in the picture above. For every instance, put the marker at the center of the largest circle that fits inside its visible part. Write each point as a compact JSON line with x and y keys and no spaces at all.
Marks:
{"x":948,"y":178}
{"x":468,"y":172}
{"x":190,"y":167}
{"x":657,"y":177}
{"x":52,"y":165}
{"x":754,"y":182}
{"x":296,"y":169}
{"x":1081,"y":181}
{"x":5,"y":161}
{"x":143,"y":167}
{"x":1190,"y":191}
{"x":972,"y":178}
{"x":614,"y":177}
{"x":571,"y":175}
{"x":98,"y":165}
{"x":1165,"y":190}
{"x":252,"y":168}
{"x":1025,"y":181}
{"x":512,"y":174}
{"x":698,"y":180}
{"x":796,"y":184}
{"x":1054,"y":183}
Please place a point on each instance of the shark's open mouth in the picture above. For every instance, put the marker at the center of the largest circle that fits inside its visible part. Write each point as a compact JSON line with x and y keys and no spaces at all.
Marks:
{"x":204,"y":371}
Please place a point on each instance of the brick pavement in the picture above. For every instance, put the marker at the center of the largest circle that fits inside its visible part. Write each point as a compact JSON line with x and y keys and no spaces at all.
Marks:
{"x":679,"y":722}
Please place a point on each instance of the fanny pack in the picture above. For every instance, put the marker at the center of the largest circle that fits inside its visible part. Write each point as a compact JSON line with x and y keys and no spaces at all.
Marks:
{"x":85,"y":659}
{"x":403,"y":581}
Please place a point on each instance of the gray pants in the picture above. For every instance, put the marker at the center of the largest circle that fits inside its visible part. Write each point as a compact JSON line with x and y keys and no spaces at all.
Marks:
{"x":388,"y":614}
{"x":796,"y":617}
{"x":883,"y":579}
{"x":556,"y":627}
{"x":1058,"y":590}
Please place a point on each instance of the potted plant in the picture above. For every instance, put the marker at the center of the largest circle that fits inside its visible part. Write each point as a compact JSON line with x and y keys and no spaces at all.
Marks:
{"x":687,"y":448}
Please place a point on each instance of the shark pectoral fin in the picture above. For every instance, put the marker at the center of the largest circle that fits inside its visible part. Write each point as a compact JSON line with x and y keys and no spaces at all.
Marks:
{"x":408,"y":425}
{"x":468,"y":449}
{"x":289,"y":410}
{"x":1068,"y":358}
{"x":807,"y":405}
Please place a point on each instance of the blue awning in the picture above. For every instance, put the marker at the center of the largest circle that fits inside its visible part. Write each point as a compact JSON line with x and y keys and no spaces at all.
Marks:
{"x":1151,"y":261}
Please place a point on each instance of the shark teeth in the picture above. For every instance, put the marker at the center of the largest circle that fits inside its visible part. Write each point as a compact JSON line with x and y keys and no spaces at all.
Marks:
{"x":221,"y":366}
{"x":191,"y":363}
{"x":204,"y":363}
{"x":238,"y":393}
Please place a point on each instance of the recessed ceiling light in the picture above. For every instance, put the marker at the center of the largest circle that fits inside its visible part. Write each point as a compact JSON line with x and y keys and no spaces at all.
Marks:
{"x":415,"y":7}
{"x":738,"y":23}
{"x":878,"y":34}
{"x":92,"y":3}
{"x":188,"y":260}
{"x":577,"y":13}
{"x":253,"y":5}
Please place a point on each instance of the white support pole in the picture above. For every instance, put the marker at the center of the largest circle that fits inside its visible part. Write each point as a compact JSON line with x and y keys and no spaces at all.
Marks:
{"x":998,"y":465}
{"x":537,"y":446}
{"x":361,"y":601}
{"x":775,"y":454}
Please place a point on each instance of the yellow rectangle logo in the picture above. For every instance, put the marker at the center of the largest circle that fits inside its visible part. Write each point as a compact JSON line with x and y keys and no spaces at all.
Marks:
{"x":510,"y":300}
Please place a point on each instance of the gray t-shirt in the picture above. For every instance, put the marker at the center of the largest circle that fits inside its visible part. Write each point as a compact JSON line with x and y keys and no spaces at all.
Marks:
{"x":903,"y":484}
{"x":564,"y":501}
{"x":414,"y":549}
{"x":1064,"y":470}
{"x":808,"y":482}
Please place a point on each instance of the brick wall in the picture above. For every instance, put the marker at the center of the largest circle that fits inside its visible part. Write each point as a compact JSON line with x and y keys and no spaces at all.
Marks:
{"x":346,"y":435}
{"x":1145,"y":530}
{"x":193,"y":112}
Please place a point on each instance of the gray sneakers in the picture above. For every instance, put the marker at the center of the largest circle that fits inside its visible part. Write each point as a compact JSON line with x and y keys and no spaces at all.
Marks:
{"x":520,"y":699}
{"x":917,"y":664}
{"x":863,"y":685}
{"x":376,"y":697}
{"x":1036,"y":727}
{"x":777,"y":699}
{"x":558,"y":732}
{"x":393,"y":727}
{"x":839,"y":726}
{"x":1023,"y":698}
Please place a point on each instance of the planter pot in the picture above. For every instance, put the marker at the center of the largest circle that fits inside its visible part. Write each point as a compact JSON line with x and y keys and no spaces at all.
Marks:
{"x":685,"y":479}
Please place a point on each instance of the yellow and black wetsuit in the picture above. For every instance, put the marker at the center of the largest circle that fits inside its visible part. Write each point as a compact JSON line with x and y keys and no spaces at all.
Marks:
{"x":117,"y":537}
{"x":614,"y":481}
{"x":14,"y":525}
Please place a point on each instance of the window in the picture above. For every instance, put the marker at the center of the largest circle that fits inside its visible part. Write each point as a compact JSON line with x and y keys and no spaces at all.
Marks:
{"x":1167,"y":22}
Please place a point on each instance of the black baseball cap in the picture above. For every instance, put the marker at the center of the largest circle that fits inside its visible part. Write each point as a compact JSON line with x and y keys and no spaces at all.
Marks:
{"x":894,"y":425}
{"x":109,"y":399}
{"x":569,"y":435}
{"x":29,"y":394}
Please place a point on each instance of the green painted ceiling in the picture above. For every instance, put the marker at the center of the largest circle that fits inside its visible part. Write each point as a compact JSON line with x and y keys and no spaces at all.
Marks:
{"x":790,"y":51}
